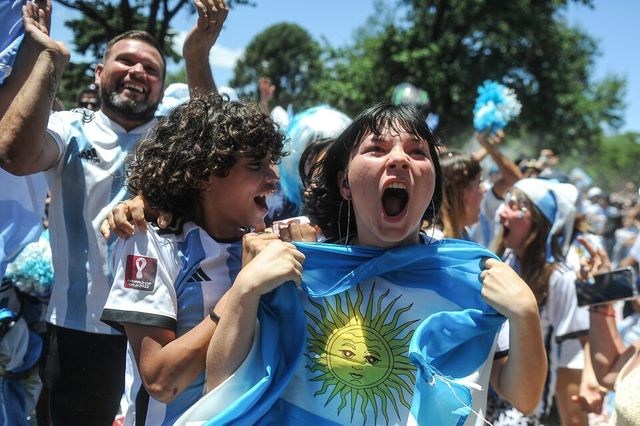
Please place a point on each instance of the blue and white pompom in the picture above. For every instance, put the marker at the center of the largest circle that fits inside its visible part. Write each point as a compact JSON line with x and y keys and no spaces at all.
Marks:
{"x":496,"y":105}
{"x":32,"y":271}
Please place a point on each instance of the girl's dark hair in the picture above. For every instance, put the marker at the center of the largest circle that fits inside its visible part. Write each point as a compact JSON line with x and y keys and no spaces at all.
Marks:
{"x":322,"y":201}
{"x":199,"y":139}
{"x":312,"y":153}
{"x":459,"y":169}
{"x":534,"y":268}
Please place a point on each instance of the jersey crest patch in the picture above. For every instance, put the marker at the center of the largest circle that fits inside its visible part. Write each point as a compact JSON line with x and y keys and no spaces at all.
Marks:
{"x":140,"y":272}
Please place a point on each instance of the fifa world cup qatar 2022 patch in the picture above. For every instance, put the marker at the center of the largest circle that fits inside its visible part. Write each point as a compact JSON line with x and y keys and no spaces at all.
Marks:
{"x":140,"y":272}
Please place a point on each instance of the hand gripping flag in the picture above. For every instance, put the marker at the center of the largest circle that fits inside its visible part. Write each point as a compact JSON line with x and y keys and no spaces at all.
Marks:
{"x":446,"y":346}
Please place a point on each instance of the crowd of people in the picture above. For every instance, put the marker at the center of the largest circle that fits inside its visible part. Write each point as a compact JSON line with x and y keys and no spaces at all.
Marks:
{"x":223,"y":262}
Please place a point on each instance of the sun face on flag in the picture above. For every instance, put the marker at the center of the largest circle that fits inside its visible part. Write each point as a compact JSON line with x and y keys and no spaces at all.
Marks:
{"x":361,"y":356}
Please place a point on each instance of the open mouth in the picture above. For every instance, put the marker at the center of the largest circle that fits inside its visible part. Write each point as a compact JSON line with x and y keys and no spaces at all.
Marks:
{"x":261,"y":201}
{"x":395,"y":199}
{"x":133,"y":87}
{"x":505,"y":231}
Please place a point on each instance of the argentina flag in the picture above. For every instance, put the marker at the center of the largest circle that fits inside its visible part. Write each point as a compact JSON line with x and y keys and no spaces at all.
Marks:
{"x":377,"y":337}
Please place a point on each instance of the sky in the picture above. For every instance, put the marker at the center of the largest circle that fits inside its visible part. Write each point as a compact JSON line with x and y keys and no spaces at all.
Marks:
{"x":613,"y":23}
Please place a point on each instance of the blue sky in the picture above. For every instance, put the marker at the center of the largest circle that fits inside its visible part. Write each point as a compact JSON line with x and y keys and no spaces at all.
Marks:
{"x":613,"y":23}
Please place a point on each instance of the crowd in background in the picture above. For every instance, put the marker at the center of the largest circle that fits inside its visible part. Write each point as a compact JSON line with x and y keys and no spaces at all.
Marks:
{"x":200,"y":157}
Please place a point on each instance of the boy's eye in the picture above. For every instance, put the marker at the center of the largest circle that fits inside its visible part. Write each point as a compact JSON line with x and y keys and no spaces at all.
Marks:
{"x":419,"y":152}
{"x":255,"y":166}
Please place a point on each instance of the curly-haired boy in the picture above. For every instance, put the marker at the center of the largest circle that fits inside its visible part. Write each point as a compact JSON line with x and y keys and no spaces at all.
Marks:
{"x":210,"y":164}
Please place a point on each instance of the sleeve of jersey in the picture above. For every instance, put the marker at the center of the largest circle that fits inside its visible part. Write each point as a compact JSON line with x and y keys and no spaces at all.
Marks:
{"x":567,"y":318}
{"x":57,"y":130}
{"x":142,"y":291}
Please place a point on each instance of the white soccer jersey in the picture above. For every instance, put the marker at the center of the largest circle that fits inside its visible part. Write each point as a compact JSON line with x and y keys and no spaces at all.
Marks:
{"x":168,"y":281}
{"x":86,"y":183}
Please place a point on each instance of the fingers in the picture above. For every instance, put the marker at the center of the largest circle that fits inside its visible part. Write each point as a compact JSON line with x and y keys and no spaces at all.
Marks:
{"x":136,"y":213}
{"x":489,"y":262}
{"x":105,"y":231}
{"x":119,"y":221}
{"x":585,"y":243}
{"x":164,"y":220}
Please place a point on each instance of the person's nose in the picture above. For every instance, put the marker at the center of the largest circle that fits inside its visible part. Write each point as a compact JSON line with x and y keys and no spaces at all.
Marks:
{"x":503,"y":211}
{"x":138,"y":70}
{"x":273,"y":175}
{"x":398,"y":158}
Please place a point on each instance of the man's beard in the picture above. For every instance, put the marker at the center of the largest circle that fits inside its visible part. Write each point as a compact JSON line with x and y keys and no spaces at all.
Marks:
{"x":128,"y":108}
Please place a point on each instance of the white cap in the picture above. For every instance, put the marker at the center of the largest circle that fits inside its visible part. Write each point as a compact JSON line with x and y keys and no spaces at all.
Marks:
{"x":594,"y":192}
{"x":557,"y":202}
{"x":175,"y":94}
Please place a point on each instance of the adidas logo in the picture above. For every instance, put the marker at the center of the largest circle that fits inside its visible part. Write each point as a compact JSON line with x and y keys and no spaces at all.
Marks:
{"x":90,"y":155}
{"x":198,"y":276}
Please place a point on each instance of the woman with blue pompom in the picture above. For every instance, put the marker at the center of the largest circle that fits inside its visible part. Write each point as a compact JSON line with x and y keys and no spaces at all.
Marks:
{"x":468,"y":205}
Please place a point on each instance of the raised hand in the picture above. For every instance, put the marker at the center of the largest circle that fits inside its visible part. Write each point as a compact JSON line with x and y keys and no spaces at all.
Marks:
{"x":597,"y":262}
{"x":487,"y":138}
{"x":211,"y":16}
{"x":37,"y":23}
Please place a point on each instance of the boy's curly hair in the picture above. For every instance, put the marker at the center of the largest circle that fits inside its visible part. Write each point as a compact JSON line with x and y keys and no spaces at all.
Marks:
{"x":199,"y":139}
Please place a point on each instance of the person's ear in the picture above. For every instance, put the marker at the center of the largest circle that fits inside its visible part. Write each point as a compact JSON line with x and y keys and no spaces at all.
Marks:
{"x":206,"y":185}
{"x":343,"y":185}
{"x":99,"y":69}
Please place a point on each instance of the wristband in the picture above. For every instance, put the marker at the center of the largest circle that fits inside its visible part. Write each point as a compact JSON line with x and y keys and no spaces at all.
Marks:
{"x":213,"y":316}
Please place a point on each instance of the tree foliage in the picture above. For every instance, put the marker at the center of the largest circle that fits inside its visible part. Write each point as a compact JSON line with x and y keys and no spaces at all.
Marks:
{"x":102,"y":20}
{"x":450,"y":48}
{"x":288,"y":55}
{"x":614,"y":161}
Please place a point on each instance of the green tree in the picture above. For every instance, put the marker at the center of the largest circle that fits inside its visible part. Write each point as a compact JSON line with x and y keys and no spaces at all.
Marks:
{"x":614,"y":161}
{"x":76,"y":77}
{"x":102,"y":20}
{"x":450,"y":48}
{"x":288,"y":55}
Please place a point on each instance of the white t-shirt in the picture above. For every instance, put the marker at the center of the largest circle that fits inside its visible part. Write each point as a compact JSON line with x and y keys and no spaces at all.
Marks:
{"x":563,"y":322}
{"x":167,"y":281}
{"x":635,"y":250}
{"x":86,"y":183}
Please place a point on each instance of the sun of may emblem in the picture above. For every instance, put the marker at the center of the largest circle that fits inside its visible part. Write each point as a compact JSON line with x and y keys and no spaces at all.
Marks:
{"x":361,"y":356}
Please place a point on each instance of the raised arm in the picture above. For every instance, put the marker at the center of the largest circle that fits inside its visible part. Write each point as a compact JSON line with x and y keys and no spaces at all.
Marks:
{"x":526,"y":365}
{"x":198,"y":44}
{"x":267,"y":90}
{"x":509,"y":171}
{"x":25,"y":147}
